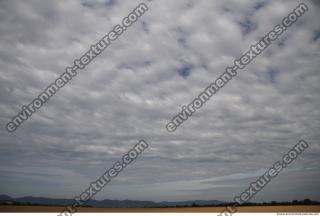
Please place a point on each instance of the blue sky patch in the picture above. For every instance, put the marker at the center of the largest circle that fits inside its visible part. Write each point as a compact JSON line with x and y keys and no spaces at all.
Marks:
{"x":185,"y":71}
{"x":316,"y":35}
{"x":272,"y":73}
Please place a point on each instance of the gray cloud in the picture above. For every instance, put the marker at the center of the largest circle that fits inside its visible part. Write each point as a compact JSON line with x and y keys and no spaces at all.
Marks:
{"x":135,"y":87}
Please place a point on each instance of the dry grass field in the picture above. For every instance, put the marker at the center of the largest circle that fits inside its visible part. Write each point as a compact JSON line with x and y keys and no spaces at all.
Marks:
{"x":298,"y":208}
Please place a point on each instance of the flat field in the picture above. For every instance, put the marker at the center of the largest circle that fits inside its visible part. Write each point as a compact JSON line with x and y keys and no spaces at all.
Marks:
{"x":297,"y":208}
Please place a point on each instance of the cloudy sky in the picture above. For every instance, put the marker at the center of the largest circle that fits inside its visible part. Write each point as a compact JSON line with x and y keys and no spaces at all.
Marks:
{"x":136,"y":86}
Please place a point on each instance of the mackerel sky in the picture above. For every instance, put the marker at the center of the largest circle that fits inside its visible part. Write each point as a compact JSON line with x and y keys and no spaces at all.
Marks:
{"x":141,"y":81}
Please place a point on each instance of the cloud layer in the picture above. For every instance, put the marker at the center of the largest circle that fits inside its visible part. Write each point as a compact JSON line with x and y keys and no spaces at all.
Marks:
{"x":131,"y":91}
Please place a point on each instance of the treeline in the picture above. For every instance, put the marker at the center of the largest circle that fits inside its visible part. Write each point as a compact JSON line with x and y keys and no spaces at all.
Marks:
{"x":32,"y":204}
{"x":194,"y":204}
{"x":272,"y":203}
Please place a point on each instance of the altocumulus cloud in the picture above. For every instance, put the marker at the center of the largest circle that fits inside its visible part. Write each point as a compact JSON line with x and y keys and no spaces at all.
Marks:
{"x":134,"y":87}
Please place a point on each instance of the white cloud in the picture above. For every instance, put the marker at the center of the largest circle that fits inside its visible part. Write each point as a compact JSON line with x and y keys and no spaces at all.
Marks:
{"x":133,"y":89}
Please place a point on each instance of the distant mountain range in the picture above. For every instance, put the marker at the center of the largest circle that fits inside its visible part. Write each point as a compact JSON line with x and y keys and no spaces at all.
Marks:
{"x":107,"y":203}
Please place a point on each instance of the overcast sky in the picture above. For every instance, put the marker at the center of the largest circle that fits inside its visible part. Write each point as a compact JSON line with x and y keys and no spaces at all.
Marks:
{"x":136,"y":86}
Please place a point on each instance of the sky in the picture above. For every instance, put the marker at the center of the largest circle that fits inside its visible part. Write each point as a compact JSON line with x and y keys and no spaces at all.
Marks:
{"x":141,"y":81}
